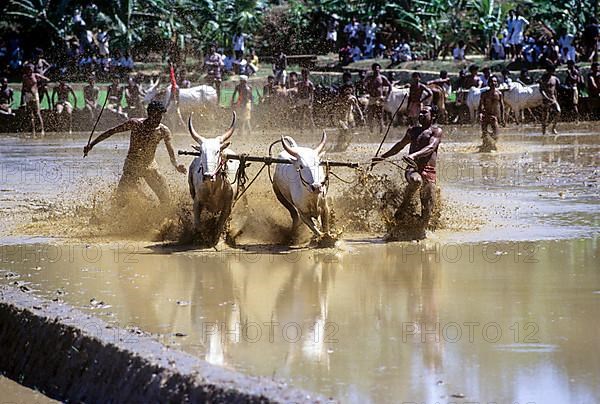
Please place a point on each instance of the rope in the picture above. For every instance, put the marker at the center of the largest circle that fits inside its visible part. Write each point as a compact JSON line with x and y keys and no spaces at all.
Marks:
{"x":242,"y":178}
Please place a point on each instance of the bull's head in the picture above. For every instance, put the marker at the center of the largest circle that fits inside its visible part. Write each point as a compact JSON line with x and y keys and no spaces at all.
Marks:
{"x":152,"y":91}
{"x":307,"y":163}
{"x":212,"y":161}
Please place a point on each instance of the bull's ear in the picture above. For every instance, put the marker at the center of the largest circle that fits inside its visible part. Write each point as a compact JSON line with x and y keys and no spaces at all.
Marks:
{"x":225,"y":145}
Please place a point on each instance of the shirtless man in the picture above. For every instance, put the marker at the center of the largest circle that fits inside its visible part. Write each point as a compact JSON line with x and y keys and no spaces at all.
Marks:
{"x":41,"y":66}
{"x":61,"y":95}
{"x":214,"y":66}
{"x":269,"y":91}
{"x":114,"y":92}
{"x":572,"y":82}
{"x":416,"y":99}
{"x":420,"y":173}
{"x":243,"y":104}
{"x":146,"y":134}
{"x":306,"y":95}
{"x":133,"y":96}
{"x":30,"y":96}
{"x":491,"y":111}
{"x":347,"y":106}
{"x":377,"y":96}
{"x":6,"y":97}
{"x":549,"y":84}
{"x":90,"y":97}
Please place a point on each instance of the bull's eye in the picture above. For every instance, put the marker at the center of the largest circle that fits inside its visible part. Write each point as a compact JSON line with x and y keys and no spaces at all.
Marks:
{"x":301,"y":167}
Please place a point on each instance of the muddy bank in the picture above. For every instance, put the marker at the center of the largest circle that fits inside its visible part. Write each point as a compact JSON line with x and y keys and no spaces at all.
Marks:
{"x":75,"y":357}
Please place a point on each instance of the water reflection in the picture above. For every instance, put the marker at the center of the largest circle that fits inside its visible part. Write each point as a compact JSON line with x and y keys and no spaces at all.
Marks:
{"x":414,"y":322}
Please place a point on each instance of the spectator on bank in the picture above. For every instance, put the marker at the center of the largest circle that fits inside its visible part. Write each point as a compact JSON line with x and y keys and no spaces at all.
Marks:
{"x":519,"y":24}
{"x":497,"y":49}
{"x":459,"y":51}
{"x":239,"y":44}
{"x":352,"y":29}
{"x":6,"y":97}
{"x":590,"y":38}
{"x":228,"y":60}
{"x":345,"y":55}
{"x":90,"y":97}
{"x":332,"y":29}
{"x":280,"y":69}
{"x":485,"y":76}
{"x":505,"y":77}
{"x":525,"y":78}
{"x":565,"y":44}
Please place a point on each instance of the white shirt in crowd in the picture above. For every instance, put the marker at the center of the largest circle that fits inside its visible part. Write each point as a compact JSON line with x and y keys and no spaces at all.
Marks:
{"x":102,"y":37}
{"x":352,"y":29}
{"x":239,"y":42}
{"x":458,"y":53}
{"x":371,"y":31}
{"x":566,"y":48}
{"x":228,"y":63}
{"x":518,"y":28}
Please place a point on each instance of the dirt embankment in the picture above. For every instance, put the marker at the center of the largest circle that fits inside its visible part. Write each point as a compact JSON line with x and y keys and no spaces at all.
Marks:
{"x":74,"y":357}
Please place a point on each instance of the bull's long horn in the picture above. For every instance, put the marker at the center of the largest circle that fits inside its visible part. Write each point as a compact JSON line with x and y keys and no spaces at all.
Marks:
{"x":319,"y":148}
{"x":193,"y":133}
{"x":229,"y":131}
{"x":289,"y":148}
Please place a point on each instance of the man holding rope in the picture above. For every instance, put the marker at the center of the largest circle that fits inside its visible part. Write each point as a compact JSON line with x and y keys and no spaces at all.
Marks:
{"x":146,"y":134}
{"x":424,"y":140}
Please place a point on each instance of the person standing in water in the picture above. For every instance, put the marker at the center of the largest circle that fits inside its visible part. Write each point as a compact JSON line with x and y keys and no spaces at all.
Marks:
{"x":491,"y":112}
{"x":424,"y":140}
{"x":549,"y":85}
{"x":146,"y":134}
{"x":30,"y":96}
{"x":243,"y":103}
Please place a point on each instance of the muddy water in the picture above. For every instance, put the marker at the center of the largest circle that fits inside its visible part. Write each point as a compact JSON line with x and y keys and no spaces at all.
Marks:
{"x":497,"y":322}
{"x":14,"y":393}
{"x":499,"y":306}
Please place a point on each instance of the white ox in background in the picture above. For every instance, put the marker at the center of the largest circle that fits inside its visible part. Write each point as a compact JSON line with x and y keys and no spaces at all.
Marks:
{"x":520,"y":97}
{"x":210,"y":175}
{"x":301,"y":186}
{"x":397,"y":98}
{"x":190,"y":99}
{"x":472,"y":99}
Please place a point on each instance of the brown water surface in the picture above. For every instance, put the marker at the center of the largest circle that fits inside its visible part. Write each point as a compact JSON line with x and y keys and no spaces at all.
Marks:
{"x":499,"y":306}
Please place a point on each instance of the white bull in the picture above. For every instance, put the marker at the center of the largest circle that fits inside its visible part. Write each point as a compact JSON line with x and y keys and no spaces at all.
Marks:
{"x":520,"y":97}
{"x":398,"y":98}
{"x":472,"y":100}
{"x":210,"y":175}
{"x":190,"y":99}
{"x":301,"y":186}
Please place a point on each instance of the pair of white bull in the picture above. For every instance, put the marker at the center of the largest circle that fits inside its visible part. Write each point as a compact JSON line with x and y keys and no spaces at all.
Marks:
{"x":517,"y":97}
{"x":300,"y":186}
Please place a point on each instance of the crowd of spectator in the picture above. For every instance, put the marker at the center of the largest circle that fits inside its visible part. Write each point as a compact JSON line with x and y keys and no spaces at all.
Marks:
{"x":531,"y":45}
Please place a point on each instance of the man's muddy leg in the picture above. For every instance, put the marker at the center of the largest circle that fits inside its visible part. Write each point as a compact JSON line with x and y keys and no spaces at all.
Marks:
{"x":127,"y":185}
{"x":427,"y":202}
{"x":414,"y":181}
{"x":158,"y":184}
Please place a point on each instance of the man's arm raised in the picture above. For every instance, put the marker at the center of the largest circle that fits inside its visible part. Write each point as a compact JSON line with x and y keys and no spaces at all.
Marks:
{"x":124,"y":127}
